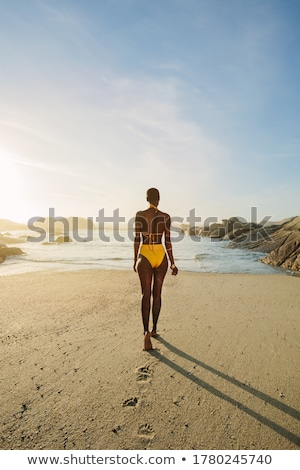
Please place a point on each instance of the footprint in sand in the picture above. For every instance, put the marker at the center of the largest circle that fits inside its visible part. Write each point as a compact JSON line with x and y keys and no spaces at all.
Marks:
{"x":178,"y":400}
{"x":145,"y":430}
{"x":130,"y":402}
{"x":144,"y":373}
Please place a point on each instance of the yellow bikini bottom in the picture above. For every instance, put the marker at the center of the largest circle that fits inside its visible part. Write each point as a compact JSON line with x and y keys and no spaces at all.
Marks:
{"x":154,"y":253}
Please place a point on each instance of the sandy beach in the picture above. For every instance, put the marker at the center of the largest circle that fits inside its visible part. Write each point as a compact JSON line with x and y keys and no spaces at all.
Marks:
{"x":224,"y":372}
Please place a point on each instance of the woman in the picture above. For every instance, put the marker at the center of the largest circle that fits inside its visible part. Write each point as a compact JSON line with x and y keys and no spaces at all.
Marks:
{"x":150,"y":259}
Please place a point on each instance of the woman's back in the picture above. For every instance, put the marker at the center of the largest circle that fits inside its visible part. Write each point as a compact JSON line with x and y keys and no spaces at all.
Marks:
{"x":152,"y":224}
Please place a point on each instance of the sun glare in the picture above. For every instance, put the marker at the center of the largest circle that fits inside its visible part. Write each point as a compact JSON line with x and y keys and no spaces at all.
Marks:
{"x":12,"y":202}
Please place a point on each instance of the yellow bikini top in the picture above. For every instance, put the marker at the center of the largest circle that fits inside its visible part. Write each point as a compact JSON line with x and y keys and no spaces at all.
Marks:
{"x":151,"y":235}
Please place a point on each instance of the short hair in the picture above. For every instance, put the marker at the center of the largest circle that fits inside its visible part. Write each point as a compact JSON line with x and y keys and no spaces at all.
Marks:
{"x":152,"y":195}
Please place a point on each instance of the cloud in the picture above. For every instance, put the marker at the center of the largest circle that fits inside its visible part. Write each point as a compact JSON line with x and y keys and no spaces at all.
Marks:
{"x":120,"y":133}
{"x":21,"y":127}
{"x":64,"y":17}
{"x":48,"y":167}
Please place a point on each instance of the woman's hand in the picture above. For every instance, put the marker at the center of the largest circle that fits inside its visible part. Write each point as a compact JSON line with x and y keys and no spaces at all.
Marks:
{"x":174,"y":270}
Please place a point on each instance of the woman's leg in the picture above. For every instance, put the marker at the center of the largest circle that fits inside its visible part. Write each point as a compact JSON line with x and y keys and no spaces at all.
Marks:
{"x":159,"y":275}
{"x":145,"y":272}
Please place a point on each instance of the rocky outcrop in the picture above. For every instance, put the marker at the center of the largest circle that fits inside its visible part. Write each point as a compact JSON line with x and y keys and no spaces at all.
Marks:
{"x":280,"y":240}
{"x":229,"y":229}
{"x":287,"y":255}
{"x":9,"y":251}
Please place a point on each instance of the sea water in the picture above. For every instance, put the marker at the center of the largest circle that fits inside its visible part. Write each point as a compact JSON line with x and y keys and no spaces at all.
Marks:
{"x":195,"y":254}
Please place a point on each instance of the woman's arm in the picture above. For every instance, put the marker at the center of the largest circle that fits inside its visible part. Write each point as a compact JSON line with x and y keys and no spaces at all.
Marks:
{"x":169,"y":245}
{"x":137,"y":239}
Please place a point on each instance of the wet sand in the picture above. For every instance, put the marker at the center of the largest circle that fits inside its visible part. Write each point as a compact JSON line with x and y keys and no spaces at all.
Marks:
{"x":224,"y":372}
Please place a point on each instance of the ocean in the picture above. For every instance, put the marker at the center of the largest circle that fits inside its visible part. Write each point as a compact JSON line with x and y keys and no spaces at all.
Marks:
{"x":195,"y":254}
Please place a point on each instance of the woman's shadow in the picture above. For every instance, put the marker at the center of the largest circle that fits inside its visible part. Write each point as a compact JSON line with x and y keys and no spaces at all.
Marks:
{"x":201,"y":383}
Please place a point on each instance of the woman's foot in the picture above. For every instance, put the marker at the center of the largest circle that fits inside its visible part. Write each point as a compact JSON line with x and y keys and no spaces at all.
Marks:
{"x":154,"y":334}
{"x":147,"y":341}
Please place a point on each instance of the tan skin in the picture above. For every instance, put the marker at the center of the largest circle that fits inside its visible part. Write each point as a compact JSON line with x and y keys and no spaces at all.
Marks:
{"x":157,"y":223}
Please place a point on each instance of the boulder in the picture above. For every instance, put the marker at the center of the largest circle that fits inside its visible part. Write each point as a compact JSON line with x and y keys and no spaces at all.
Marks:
{"x":229,"y":229}
{"x":63,"y":239}
{"x":9,"y":251}
{"x":194,"y":231}
{"x":217,"y":230}
{"x":232,"y":224}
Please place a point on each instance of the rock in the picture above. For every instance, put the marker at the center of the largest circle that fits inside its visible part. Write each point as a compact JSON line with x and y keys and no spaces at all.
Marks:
{"x":9,"y":251}
{"x":184,"y":228}
{"x":281,"y":240}
{"x":228,"y":229}
{"x":63,"y":239}
{"x":260,"y":239}
{"x":287,"y":255}
{"x":292,"y":224}
{"x":242,"y":232}
{"x":194,"y":231}
{"x":216,"y":230}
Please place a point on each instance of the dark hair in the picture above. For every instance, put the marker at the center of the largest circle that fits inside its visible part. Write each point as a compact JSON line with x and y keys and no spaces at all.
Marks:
{"x":153,"y":195}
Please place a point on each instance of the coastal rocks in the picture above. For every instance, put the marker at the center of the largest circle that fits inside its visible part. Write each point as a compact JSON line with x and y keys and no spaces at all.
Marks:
{"x":280,"y":240}
{"x":194,"y":231}
{"x":215,"y":230}
{"x":59,"y":240}
{"x":9,"y":251}
{"x":259,"y":239}
{"x":232,"y":224}
{"x":286,"y":255}
{"x":63,"y":239}
{"x":230,"y":229}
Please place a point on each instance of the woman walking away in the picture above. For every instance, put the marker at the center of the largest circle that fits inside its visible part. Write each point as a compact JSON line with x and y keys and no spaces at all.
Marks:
{"x":150,"y":259}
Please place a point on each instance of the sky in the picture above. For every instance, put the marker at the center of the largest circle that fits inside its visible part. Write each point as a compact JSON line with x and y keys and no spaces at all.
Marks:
{"x":102,"y":99}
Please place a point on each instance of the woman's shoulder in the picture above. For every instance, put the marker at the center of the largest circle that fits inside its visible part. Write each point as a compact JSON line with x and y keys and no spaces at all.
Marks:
{"x":159,"y":213}
{"x":164,"y":214}
{"x":140,"y":213}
